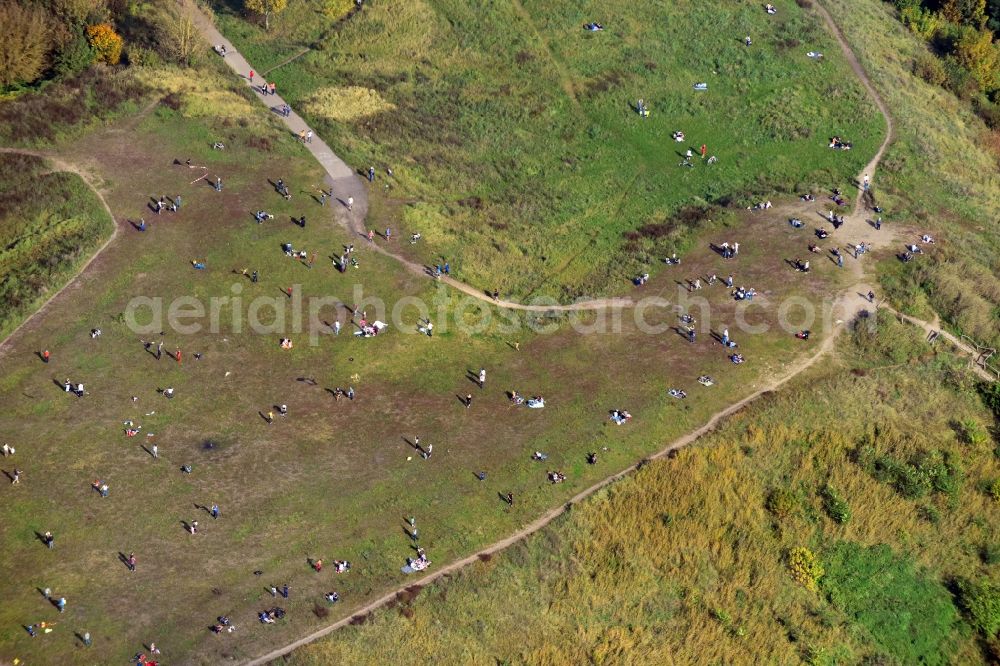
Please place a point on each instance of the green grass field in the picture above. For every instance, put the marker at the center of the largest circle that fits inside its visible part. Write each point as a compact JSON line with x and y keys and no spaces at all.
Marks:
{"x":510,"y":134}
{"x":515,"y":154}
{"x":50,"y":223}
{"x":686,"y":561}
{"x":332,"y":480}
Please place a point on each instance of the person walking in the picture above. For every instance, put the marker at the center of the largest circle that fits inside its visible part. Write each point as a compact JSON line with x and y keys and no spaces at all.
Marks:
{"x":388,"y":234}
{"x":725,"y":337}
{"x":336,"y":327}
{"x":194,"y":527}
{"x":371,"y":235}
{"x":87,"y":642}
{"x":468,"y":400}
{"x":371,"y":174}
{"x":840,"y":261}
{"x":159,"y":350}
{"x":131,"y":562}
{"x":302,"y":136}
{"x":45,"y":356}
{"x":704,"y":150}
{"x":177,"y":355}
{"x":350,"y":203}
{"x":322,"y":198}
{"x":309,"y":136}
{"x":871,"y":296}
{"x":284,"y":591}
{"x":49,"y":540}
{"x":15,"y":477}
{"x":61,"y":604}
{"x":155,"y":450}
{"x":866,"y":182}
{"x":251,"y":76}
{"x":254,"y":277}
{"x":482,"y":378}
{"x":177,"y":202}
{"x":215,"y":511}
{"x":218,"y":184}
{"x":312,"y":259}
{"x":270,"y":418}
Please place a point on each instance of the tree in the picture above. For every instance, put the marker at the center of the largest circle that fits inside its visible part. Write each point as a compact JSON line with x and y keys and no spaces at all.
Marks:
{"x":976,"y":52}
{"x":74,"y":57}
{"x":178,"y":37}
{"x":972,"y":12}
{"x":24,"y":49}
{"x":107,"y":43}
{"x":78,"y":12}
{"x":266,"y":8}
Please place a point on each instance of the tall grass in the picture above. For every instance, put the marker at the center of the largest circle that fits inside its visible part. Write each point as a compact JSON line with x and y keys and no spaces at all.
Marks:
{"x":49,"y":225}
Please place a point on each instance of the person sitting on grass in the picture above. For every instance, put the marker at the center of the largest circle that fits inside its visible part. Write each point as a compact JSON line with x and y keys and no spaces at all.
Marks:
{"x":620,"y":416}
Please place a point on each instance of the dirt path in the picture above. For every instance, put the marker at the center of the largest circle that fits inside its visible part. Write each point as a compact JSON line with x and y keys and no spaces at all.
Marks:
{"x":934,"y":328}
{"x":286,"y":61}
{"x":60,"y":165}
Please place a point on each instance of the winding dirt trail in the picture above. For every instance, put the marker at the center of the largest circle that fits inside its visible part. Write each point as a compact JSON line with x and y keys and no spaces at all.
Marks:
{"x":61,"y":165}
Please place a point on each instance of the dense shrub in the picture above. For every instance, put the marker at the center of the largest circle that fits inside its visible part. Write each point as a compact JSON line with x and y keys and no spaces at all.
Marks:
{"x":107,"y":43}
{"x":805,"y":568}
{"x":781,"y":503}
{"x":930,"y":69}
{"x":980,"y":601}
{"x":835,"y":506}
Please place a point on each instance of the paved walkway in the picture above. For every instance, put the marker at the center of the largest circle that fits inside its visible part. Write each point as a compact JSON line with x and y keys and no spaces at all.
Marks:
{"x":340,"y":178}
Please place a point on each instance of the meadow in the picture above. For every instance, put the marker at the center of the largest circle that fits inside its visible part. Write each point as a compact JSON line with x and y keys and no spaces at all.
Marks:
{"x":506,"y":130}
{"x":333,"y":479}
{"x":510,"y":131}
{"x":878,"y":463}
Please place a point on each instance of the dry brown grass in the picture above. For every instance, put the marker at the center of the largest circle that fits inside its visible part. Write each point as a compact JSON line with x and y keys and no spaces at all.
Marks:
{"x":346,"y":104}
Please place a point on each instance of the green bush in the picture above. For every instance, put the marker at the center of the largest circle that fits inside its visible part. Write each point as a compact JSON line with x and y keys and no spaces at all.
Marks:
{"x":835,"y":506}
{"x":781,"y":503}
{"x":926,"y":472}
{"x":929,"y":68}
{"x":981,"y":604}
